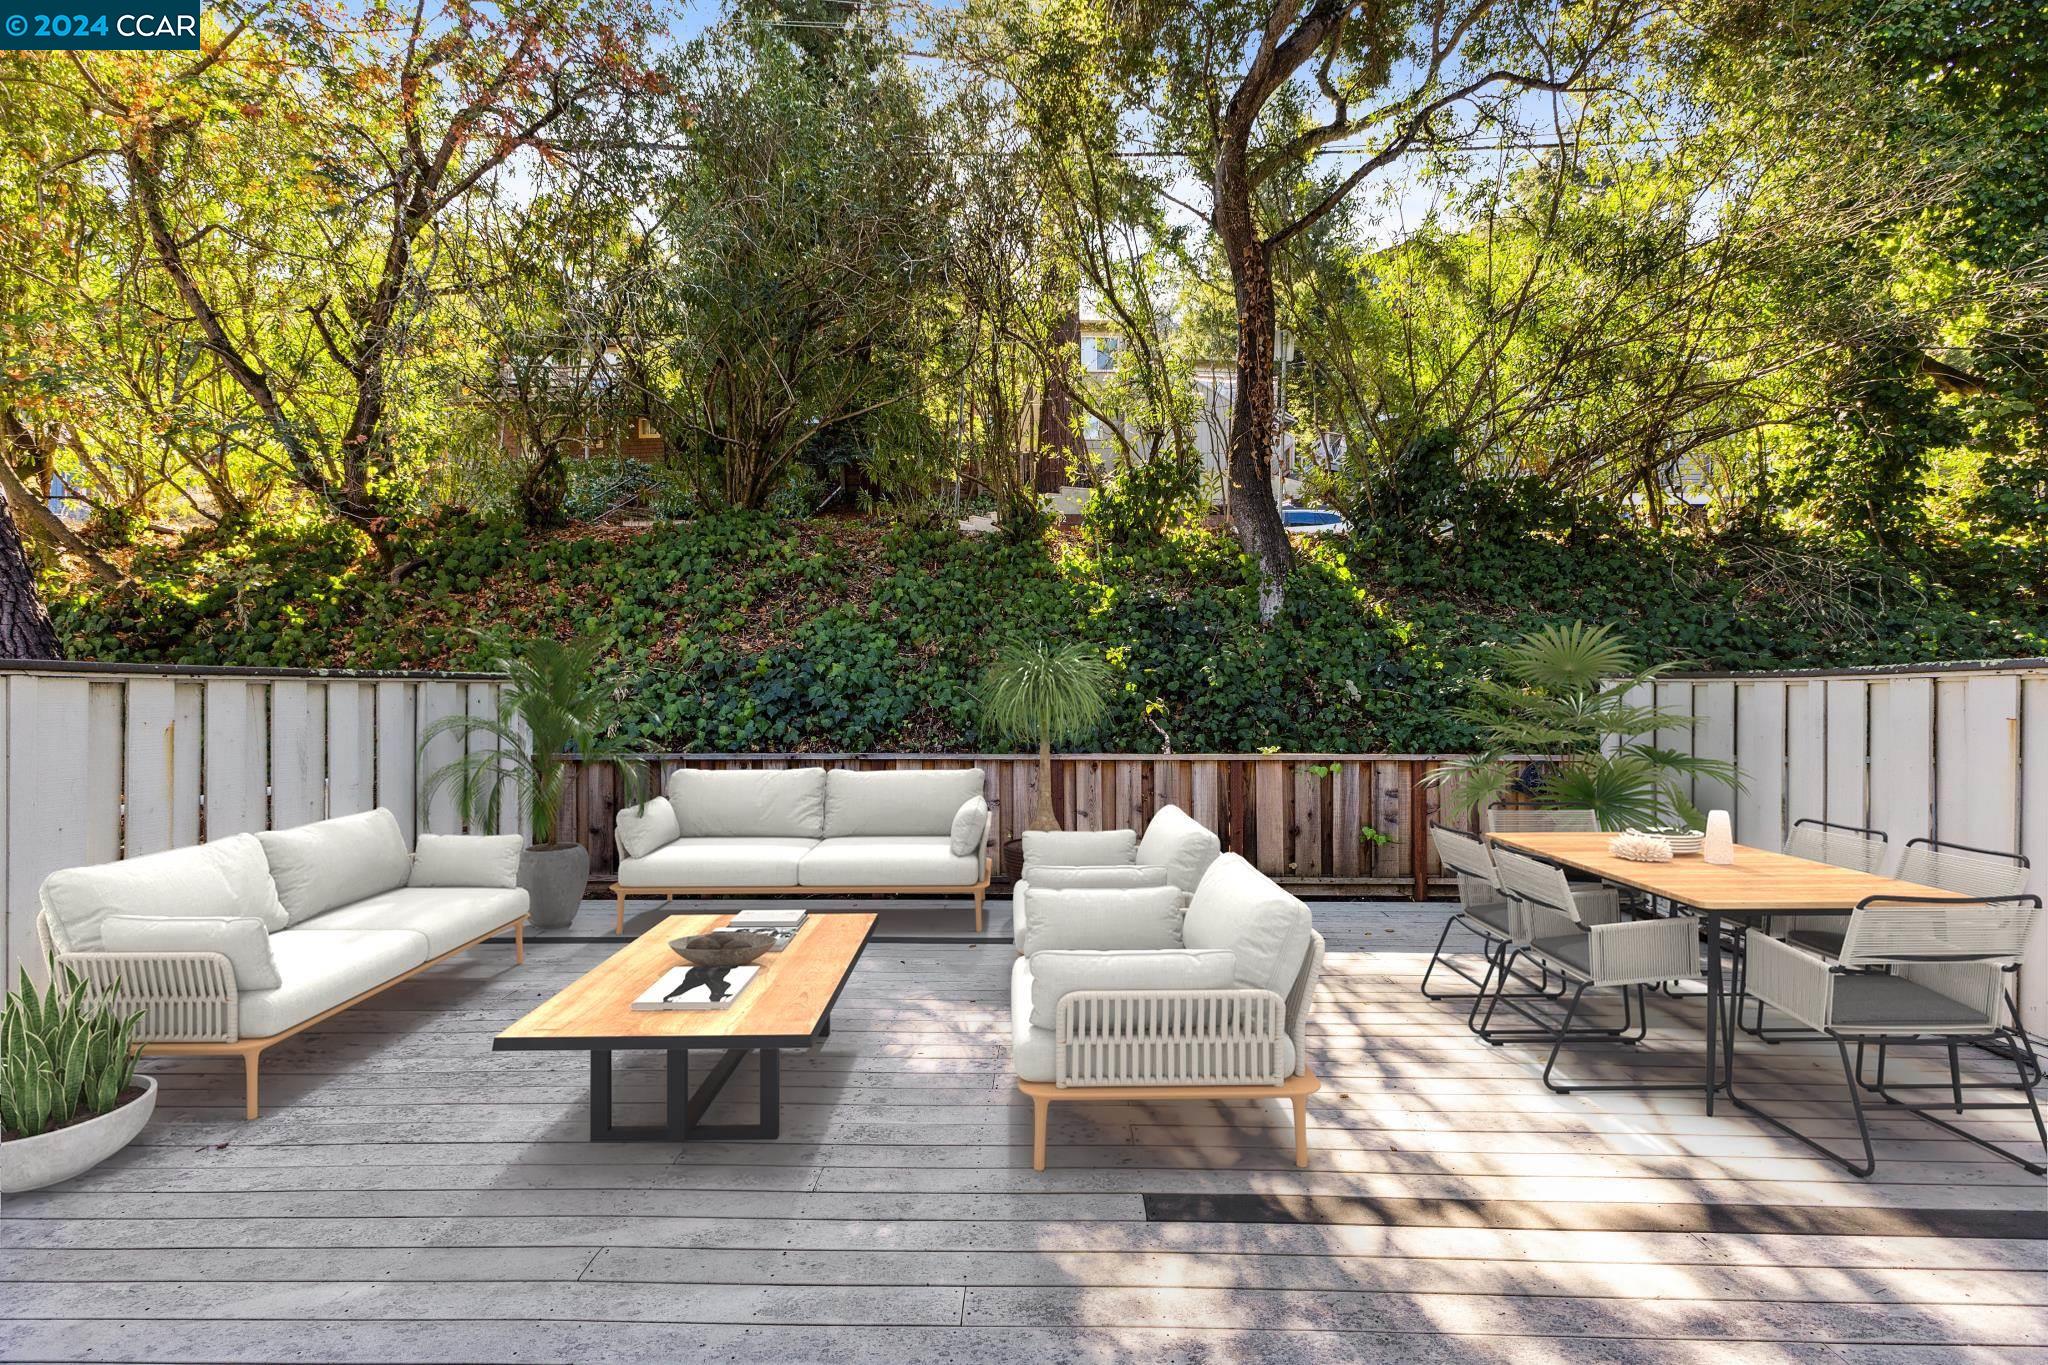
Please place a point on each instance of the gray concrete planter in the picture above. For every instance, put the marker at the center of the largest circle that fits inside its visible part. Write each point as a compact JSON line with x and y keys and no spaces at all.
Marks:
{"x":554,"y":876}
{"x":31,"y":1163}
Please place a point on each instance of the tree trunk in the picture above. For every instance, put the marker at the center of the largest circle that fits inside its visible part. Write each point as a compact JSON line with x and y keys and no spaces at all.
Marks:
{"x":25,"y":629}
{"x":1060,"y":448}
{"x":1042,"y":815}
{"x":1254,"y":514}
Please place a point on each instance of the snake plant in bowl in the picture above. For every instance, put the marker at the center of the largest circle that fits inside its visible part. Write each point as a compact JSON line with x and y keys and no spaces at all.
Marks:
{"x":69,"y":1095}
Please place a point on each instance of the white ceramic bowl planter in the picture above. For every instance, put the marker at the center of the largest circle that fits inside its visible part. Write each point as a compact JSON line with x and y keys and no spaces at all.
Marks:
{"x":33,"y":1162}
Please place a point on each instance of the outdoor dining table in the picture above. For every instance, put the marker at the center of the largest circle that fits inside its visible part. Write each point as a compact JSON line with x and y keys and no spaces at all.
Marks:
{"x":1757,"y":885}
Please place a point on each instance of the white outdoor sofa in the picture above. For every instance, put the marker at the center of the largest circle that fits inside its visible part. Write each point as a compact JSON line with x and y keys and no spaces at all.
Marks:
{"x":793,"y":831}
{"x":1124,"y":993}
{"x":230,"y":947}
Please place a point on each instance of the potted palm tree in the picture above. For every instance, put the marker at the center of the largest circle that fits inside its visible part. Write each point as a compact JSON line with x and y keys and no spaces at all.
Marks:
{"x":558,"y":705}
{"x":1045,"y":693}
{"x":1564,"y":692}
{"x":69,"y":1095}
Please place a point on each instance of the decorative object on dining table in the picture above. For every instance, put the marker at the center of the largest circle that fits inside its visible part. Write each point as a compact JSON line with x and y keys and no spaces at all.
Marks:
{"x":1638,"y":847}
{"x":696,"y":988}
{"x":1718,"y":846}
{"x":724,"y":947}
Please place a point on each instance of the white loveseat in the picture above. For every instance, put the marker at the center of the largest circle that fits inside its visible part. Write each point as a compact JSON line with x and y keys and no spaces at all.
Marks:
{"x":230,"y":947}
{"x":747,"y":832}
{"x":1121,"y":993}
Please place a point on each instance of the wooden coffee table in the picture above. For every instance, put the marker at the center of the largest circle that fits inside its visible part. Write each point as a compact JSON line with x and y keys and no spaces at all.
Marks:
{"x":788,"y":1005}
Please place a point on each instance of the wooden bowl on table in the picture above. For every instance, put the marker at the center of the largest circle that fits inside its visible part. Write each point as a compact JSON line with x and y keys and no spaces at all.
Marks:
{"x":723,"y":947}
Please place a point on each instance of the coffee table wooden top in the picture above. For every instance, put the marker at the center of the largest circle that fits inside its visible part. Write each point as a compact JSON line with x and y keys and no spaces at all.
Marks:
{"x":782,"y":1007}
{"x":1759,"y":882}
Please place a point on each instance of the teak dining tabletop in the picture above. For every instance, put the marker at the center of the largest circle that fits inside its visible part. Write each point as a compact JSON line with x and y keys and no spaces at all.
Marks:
{"x":1759,"y":882}
{"x":782,"y":1007}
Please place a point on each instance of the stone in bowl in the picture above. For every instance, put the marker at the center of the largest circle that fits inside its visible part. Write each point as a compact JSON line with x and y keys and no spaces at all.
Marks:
{"x":723,"y":947}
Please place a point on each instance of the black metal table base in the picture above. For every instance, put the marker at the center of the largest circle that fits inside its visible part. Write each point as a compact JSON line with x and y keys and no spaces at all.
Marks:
{"x":686,"y":1108}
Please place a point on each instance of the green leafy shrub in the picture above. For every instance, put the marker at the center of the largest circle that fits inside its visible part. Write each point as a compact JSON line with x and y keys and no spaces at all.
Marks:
{"x":65,"y":1055}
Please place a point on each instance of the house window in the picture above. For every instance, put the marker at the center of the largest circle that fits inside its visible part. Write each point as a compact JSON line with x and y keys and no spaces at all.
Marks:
{"x":1098,"y":353}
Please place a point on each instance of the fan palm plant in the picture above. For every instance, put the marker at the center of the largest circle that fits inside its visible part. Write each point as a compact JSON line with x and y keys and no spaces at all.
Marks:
{"x":1045,"y":693}
{"x":1564,"y":692}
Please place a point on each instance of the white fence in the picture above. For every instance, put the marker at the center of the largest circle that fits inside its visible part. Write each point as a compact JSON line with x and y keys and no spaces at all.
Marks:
{"x":1957,"y":752}
{"x":106,"y":761}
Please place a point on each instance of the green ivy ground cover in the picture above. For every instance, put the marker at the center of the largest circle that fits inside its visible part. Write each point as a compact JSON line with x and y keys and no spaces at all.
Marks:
{"x":746,"y":632}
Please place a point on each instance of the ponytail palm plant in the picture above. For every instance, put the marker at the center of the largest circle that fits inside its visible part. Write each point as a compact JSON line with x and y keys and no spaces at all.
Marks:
{"x":1564,"y":693}
{"x":1046,"y":693}
{"x":557,"y":703}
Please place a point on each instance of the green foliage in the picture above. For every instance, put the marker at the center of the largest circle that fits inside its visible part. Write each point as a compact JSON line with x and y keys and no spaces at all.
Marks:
{"x":1564,"y":691}
{"x":559,"y":702}
{"x":65,"y":1054}
{"x":1044,"y":692}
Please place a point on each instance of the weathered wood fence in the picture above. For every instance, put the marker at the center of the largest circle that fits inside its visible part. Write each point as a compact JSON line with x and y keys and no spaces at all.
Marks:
{"x":1324,"y":824}
{"x":106,"y":761}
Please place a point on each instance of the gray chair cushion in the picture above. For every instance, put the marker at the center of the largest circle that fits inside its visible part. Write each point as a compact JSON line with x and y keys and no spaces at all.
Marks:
{"x":889,"y":860}
{"x":1139,"y":917}
{"x":242,"y":940}
{"x":725,"y":803}
{"x":1574,"y":951}
{"x":320,"y":969}
{"x":1177,"y":842}
{"x":896,"y":803}
{"x":447,"y":916}
{"x":647,"y":826}
{"x":1492,"y":915}
{"x":1060,"y":973}
{"x":1267,"y":931}
{"x":336,"y":862}
{"x":1079,"y":848}
{"x":227,"y":878}
{"x":1826,"y":942}
{"x":718,"y":862}
{"x":1892,"y":1002}
{"x":467,"y":860}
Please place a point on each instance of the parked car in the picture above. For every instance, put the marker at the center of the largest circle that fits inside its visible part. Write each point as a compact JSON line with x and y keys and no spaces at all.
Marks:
{"x":1313,"y":521}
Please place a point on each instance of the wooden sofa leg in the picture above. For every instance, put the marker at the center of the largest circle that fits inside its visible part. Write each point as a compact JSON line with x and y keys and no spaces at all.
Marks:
{"x":978,"y":920}
{"x":1039,"y":1105}
{"x":251,"y":1061}
{"x":519,"y":942}
{"x":622,"y":911}
{"x":1301,"y":1130}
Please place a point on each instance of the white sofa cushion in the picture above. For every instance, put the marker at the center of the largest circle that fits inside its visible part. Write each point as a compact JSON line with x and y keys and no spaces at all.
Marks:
{"x":467,"y":860}
{"x":242,"y":940}
{"x":1240,"y":909}
{"x":718,"y":862}
{"x":1144,"y":917}
{"x":221,"y":879}
{"x":1179,"y":843}
{"x":1033,"y":1050}
{"x":336,"y":862}
{"x":970,"y":827}
{"x":1061,"y":972}
{"x":896,"y":803}
{"x":724,"y":803}
{"x":889,"y":860}
{"x":447,"y":916}
{"x":1050,"y":877}
{"x":646,"y":827}
{"x":1083,"y":848}
{"x":322,"y":968}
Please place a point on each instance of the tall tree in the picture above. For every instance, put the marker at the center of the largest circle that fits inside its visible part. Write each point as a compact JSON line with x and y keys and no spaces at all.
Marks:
{"x":25,"y":629}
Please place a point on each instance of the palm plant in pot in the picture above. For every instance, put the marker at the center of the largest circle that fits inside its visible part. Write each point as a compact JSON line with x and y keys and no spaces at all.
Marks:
{"x":69,"y":1096}
{"x":1565,"y":693}
{"x":1045,"y":693}
{"x":557,"y":705}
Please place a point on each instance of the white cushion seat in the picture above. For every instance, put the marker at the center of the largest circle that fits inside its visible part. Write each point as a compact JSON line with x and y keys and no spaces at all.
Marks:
{"x":887,"y":860}
{"x":719,"y":861}
{"x":446,"y":916}
{"x":322,"y":968}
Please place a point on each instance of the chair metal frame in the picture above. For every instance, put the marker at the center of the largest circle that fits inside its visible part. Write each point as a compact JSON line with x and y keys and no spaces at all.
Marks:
{"x":1474,"y":868}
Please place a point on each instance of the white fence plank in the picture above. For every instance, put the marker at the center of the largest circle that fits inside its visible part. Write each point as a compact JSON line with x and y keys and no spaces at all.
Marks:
{"x":1713,"y":736}
{"x":351,"y":762}
{"x":481,"y":700}
{"x":438,"y":700}
{"x":2034,"y":840}
{"x":236,"y":749}
{"x":1848,"y":750}
{"x":187,"y":750}
{"x":49,"y":808}
{"x":1760,"y":753}
{"x":1989,"y":813}
{"x":298,"y":745}
{"x":147,"y":786}
{"x":397,"y":754}
{"x":1805,"y":752}
{"x":1902,"y":759}
{"x":102,"y":763}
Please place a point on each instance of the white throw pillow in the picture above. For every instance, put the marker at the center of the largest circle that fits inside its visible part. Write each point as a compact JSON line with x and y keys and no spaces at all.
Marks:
{"x":336,"y":862}
{"x":1112,"y":876}
{"x":1057,"y":974}
{"x":1145,"y":917}
{"x":1179,"y":843}
{"x":970,"y":827}
{"x":646,"y":827}
{"x":467,"y":860}
{"x":1239,"y":908}
{"x":1069,"y":848}
{"x":242,"y":940}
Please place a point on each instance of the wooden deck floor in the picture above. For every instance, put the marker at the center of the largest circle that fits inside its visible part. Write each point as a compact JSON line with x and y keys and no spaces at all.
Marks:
{"x":410,"y":1195}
